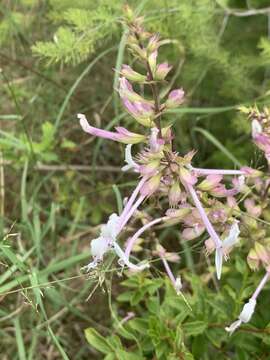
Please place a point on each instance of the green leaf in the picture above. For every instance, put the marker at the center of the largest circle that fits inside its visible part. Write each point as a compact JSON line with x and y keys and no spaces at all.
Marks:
{"x":194,"y":327}
{"x":98,"y":341}
{"x":125,"y":296}
{"x":140,"y":325}
{"x":124,"y":355}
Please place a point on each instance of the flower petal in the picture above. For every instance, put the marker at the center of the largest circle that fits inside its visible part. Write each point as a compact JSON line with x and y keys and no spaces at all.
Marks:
{"x":218,"y":261}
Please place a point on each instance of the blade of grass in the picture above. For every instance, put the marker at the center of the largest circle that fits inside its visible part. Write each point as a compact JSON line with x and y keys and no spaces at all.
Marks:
{"x":14,"y":267}
{"x":118,"y":198}
{"x":19,"y":339}
{"x":37,"y":292}
{"x":76,"y":84}
{"x":218,"y":144}
{"x":118,"y":65}
{"x":50,"y":269}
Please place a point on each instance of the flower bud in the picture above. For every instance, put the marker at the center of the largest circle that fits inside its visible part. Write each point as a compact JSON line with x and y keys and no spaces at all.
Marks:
{"x":153,"y":44}
{"x":141,"y":111}
{"x":132,"y":75}
{"x":151,"y":185}
{"x":138,"y":51}
{"x":221,"y":191}
{"x":253,"y":260}
{"x":160,"y":250}
{"x":152,"y":60}
{"x":132,"y":40}
{"x":232,"y":203}
{"x":174,"y":194}
{"x":178,"y":213}
{"x":210,"y":245}
{"x":162,"y":71}
{"x":193,"y":233}
{"x":262,"y":253}
{"x":186,"y":176}
{"x":251,"y":172}
{"x":210,"y":182}
{"x":128,"y":13}
{"x":175,"y":98}
{"x":218,"y":216}
{"x":126,"y":91}
{"x":251,"y":208}
{"x":150,"y":168}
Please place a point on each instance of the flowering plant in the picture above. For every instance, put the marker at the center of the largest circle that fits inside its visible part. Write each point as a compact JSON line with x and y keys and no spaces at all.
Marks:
{"x":201,"y":200}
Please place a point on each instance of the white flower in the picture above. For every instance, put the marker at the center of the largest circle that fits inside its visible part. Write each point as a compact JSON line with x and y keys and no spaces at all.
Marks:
{"x":178,"y":285}
{"x":99,"y":247}
{"x":107,"y":241}
{"x":103,"y":243}
{"x":232,"y":238}
{"x":256,"y":128}
{"x":128,"y":159}
{"x":244,"y":317}
{"x":110,"y":230}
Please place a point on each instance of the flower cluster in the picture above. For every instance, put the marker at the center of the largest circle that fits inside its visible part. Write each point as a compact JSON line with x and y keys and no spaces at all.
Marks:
{"x":260,"y":128}
{"x":201,"y":200}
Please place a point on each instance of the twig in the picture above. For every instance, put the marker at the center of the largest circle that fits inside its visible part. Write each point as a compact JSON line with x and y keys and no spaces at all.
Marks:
{"x":73,"y":167}
{"x":253,"y":12}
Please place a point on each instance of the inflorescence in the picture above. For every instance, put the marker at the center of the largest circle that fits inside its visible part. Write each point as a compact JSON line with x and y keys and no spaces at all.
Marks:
{"x":195,"y":197}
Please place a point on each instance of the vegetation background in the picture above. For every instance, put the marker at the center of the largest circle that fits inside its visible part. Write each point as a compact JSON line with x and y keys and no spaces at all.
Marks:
{"x":57,"y":185}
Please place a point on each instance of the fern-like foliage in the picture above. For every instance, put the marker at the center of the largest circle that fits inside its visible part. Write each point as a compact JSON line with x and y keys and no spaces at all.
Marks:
{"x":11,"y":25}
{"x":77,"y":38}
{"x":264,"y":46}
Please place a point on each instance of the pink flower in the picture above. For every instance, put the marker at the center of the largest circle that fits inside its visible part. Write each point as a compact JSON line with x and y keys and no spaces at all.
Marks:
{"x":121,"y":135}
{"x":210,"y":182}
{"x":252,"y":209}
{"x":153,"y":44}
{"x":248,"y":171}
{"x":187,"y":177}
{"x":132,"y":75}
{"x":126,"y":91}
{"x":152,"y":60}
{"x":162,"y":71}
{"x":151,"y":185}
{"x":143,"y":112}
{"x":176,"y":98}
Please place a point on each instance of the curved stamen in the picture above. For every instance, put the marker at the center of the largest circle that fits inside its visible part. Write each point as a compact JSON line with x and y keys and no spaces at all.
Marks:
{"x":131,"y":241}
{"x":131,"y":200}
{"x":204,"y":217}
{"x":209,"y":227}
{"x":120,"y":253}
{"x":124,"y":218}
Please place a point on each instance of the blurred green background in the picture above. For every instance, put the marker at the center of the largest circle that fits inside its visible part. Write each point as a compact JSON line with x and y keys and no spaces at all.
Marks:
{"x":57,"y":58}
